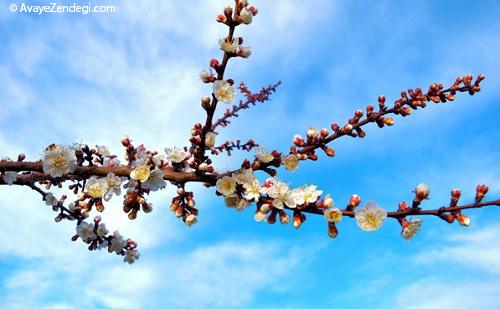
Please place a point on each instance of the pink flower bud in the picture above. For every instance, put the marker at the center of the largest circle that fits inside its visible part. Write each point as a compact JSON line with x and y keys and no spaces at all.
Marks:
{"x":481,"y":191}
{"x":332,"y":230}
{"x":455,"y":196}
{"x":298,"y":140}
{"x":422,"y":192}
{"x":312,"y":133}
{"x":244,"y":51}
{"x":323,"y":133}
{"x":221,"y":18}
{"x":327,"y":202}
{"x":125,"y":141}
{"x":462,"y":219}
{"x":355,"y":200}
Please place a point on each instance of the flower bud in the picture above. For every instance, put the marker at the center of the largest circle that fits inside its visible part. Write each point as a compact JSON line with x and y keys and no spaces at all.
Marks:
{"x":405,"y":111}
{"x":147,"y":208}
{"x":422,"y":192}
{"x":259,"y":216}
{"x":297,"y":220}
{"x":312,"y":133}
{"x":21,"y":157}
{"x":210,"y":139}
{"x":125,"y":141}
{"x":455,"y":196}
{"x":381,"y":100}
{"x":462,"y":219}
{"x":388,"y":121}
{"x":245,"y":16}
{"x":221,"y":18}
{"x":354,"y":201}
{"x":347,"y":128}
{"x":214,"y":63}
{"x":481,"y":191}
{"x":228,"y":11}
{"x":244,"y":51}
{"x":323,"y":133}
{"x":332,"y":230}
{"x":252,"y":9}
{"x":205,"y":102}
{"x":205,"y":76}
{"x":284,"y":217}
{"x":190,"y":220}
{"x":203,"y":167}
{"x":327,"y":202}
{"x":298,"y":140}
{"x":329,"y":151}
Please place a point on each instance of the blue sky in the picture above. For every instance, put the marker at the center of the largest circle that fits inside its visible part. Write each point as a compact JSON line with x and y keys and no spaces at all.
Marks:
{"x":70,"y":78}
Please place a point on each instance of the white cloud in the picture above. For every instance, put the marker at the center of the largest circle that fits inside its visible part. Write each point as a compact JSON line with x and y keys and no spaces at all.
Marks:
{"x":219,"y":275}
{"x":475,"y":249}
{"x":433,"y":293}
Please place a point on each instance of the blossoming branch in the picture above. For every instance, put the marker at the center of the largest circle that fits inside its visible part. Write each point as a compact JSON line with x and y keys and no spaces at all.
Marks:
{"x":93,"y":175}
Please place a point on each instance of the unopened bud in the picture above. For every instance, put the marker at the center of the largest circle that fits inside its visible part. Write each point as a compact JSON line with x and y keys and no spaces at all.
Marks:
{"x":210,"y":139}
{"x":354,"y":201}
{"x":481,"y":191}
{"x":205,"y":102}
{"x":205,"y":76}
{"x":381,"y":100}
{"x":312,"y":133}
{"x":244,"y":51}
{"x":21,"y":157}
{"x":347,"y":128}
{"x":463,"y":220}
{"x":388,"y":121}
{"x":298,"y":140}
{"x":284,"y":217}
{"x":323,"y":133}
{"x":190,"y":220}
{"x":455,"y":196}
{"x":422,"y":192}
{"x":332,"y":230}
{"x":327,"y":202}
{"x":221,"y":18}
{"x":125,"y":141}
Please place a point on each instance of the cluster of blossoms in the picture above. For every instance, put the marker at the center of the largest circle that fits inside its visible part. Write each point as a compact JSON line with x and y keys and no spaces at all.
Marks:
{"x":96,"y":175}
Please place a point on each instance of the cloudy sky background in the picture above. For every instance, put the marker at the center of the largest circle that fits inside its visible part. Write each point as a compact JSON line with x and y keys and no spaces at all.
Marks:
{"x":70,"y":78}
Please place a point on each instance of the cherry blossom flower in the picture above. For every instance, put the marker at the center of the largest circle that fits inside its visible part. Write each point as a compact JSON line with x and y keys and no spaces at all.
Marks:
{"x":95,"y":187}
{"x":140,"y":173}
{"x":101,"y":230}
{"x":333,"y":215}
{"x":58,"y":161}
{"x":226,"y":185}
{"x":246,"y":16}
{"x":291,"y":162}
{"x":10,"y":178}
{"x":244,"y":176}
{"x":117,"y":242}
{"x":210,"y":139}
{"x":410,"y":228}
{"x":253,"y":190}
{"x":86,"y":231}
{"x":190,"y":220}
{"x":263,"y":155}
{"x":371,"y":217}
{"x":131,"y":256}
{"x":112,"y":185}
{"x":307,"y":195}
{"x":224,"y":91}
{"x":176,"y":155}
{"x":229,"y":46}
{"x":50,"y":199}
{"x":155,"y":181}
{"x":282,"y":195}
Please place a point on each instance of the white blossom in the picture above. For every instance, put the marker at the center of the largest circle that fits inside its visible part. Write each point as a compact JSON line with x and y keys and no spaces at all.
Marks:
{"x":210,"y":139}
{"x":140,"y":173}
{"x":282,"y":195}
{"x":58,"y":161}
{"x":246,"y":16}
{"x":410,"y":228}
{"x":131,"y":256}
{"x":307,"y":195}
{"x":95,"y":187}
{"x":112,"y":185}
{"x":291,"y":162}
{"x":10,"y":178}
{"x":224,"y":91}
{"x":226,"y":185}
{"x":190,"y":220}
{"x":244,"y":176}
{"x":263,"y":155}
{"x":117,"y":242}
{"x":229,"y":46}
{"x":86,"y":231}
{"x":111,"y":161}
{"x":155,"y":181}
{"x":50,"y":199}
{"x":371,"y":217}
{"x":176,"y":155}
{"x":101,"y":230}
{"x":253,"y":190}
